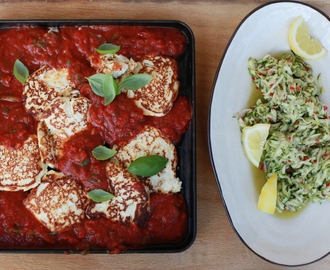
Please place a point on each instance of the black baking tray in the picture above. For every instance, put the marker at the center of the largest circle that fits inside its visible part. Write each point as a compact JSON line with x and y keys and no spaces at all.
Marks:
{"x":186,"y":170}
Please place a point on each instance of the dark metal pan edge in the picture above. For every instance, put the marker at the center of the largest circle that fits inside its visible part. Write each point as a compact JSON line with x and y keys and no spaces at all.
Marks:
{"x":188,"y":177}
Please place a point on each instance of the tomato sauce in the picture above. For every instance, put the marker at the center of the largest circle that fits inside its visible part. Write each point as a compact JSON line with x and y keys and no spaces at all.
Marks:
{"x":121,"y":120}
{"x":116,"y":123}
{"x":81,"y":164}
{"x":16,"y":124}
{"x":19,"y":228}
{"x":176,"y":122}
{"x":170,"y":214}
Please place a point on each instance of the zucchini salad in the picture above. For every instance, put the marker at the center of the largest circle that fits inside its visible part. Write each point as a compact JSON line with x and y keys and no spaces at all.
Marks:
{"x":297,"y":148}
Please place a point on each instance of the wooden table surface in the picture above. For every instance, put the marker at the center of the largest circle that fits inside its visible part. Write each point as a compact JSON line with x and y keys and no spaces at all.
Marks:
{"x":213,"y":22}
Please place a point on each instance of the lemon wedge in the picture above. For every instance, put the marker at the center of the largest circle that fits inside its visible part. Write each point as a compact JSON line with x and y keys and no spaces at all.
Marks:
{"x":268,"y":195}
{"x":302,"y":44}
{"x":253,"y":140}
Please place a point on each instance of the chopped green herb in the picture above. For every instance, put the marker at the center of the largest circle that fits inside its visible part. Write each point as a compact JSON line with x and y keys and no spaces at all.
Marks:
{"x":84,"y":163}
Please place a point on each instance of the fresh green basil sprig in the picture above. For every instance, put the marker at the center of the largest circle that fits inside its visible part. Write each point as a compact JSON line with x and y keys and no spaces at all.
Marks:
{"x":99,"y":195}
{"x":103,"y":153}
{"x":147,"y":165}
{"x":20,"y":71}
{"x":105,"y":86}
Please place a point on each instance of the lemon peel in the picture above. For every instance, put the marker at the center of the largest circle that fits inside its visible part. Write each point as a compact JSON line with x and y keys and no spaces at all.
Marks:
{"x":268,"y":195}
{"x":302,"y":44}
{"x":253,"y":140}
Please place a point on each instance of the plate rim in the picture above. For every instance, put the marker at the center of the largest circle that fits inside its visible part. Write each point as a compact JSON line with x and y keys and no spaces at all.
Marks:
{"x":209,"y":124}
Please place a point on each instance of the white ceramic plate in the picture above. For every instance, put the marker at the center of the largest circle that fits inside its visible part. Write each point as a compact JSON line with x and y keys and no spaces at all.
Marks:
{"x":298,"y":240}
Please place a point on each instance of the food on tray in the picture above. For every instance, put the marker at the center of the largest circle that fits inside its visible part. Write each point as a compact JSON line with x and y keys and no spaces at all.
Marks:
{"x":58,"y":202}
{"x":61,"y":118}
{"x":22,"y":168}
{"x":114,"y":64}
{"x":158,"y":96}
{"x":151,"y":141}
{"x":80,"y":107}
{"x":297,"y":147}
{"x":43,"y":86}
{"x":130,"y":202}
{"x":302,"y":44}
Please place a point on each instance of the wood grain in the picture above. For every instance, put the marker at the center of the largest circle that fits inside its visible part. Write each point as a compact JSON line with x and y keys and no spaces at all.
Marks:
{"x":213,"y":22}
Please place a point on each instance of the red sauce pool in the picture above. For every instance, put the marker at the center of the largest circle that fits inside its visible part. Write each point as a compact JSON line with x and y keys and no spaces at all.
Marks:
{"x":19,"y":228}
{"x":16,"y":124}
{"x":81,"y":164}
{"x":117,"y":122}
{"x":176,"y":122}
{"x":112,"y":124}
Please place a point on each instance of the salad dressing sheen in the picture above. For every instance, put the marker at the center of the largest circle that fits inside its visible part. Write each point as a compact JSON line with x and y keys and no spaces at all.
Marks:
{"x":258,"y":175}
{"x":254,"y":96}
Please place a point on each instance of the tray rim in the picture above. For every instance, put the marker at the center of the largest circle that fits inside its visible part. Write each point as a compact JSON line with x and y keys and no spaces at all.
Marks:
{"x":192,"y":203}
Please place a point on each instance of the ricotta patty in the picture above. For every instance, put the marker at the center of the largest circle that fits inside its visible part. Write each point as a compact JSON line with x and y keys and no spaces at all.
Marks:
{"x":62,"y":118}
{"x":114,"y":64}
{"x":58,"y":202}
{"x":21,"y":169}
{"x":43,"y":86}
{"x":131,"y":201}
{"x":150,"y":141}
{"x":158,"y":96}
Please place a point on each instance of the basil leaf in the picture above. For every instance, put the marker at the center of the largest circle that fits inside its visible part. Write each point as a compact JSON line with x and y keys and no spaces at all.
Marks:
{"x":136,"y":81}
{"x":147,"y":165}
{"x":96,"y":82}
{"x":99,"y":195}
{"x":117,"y":89}
{"x":109,"y":90}
{"x":105,"y":86}
{"x":108,"y":48}
{"x":20,"y":71}
{"x":103,"y":153}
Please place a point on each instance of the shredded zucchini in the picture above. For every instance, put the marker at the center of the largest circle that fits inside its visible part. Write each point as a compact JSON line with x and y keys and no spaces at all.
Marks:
{"x":297,"y":148}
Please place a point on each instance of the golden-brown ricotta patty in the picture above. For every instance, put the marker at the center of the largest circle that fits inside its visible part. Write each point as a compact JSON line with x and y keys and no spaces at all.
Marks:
{"x":150,"y":141}
{"x":43,"y":86}
{"x":22,"y":168}
{"x":58,"y":202}
{"x":158,"y":96}
{"x":62,"y":118}
{"x":131,"y":201}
